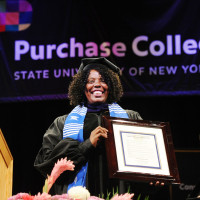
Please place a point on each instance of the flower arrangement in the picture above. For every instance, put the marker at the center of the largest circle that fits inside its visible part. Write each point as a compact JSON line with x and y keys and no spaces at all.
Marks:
{"x":62,"y":165}
{"x":75,"y":193}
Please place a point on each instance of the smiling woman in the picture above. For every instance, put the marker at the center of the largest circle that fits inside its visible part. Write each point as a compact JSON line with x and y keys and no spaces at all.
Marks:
{"x":93,"y":73}
{"x":79,"y":136}
{"x":96,"y":88}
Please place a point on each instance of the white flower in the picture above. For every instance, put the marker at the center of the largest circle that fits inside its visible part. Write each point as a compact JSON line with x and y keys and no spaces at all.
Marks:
{"x":79,"y":192}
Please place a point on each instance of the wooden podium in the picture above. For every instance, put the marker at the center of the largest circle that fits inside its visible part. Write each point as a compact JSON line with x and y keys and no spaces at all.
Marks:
{"x":6,"y":169}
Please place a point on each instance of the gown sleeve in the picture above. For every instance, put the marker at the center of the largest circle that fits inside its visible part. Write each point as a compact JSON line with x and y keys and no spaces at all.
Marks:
{"x":54,"y":148}
{"x":134,"y":115}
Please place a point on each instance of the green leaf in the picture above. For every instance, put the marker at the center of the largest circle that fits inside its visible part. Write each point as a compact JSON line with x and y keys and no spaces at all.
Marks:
{"x":139,"y":197}
{"x":129,"y":188}
{"x":45,"y":187}
{"x":146,"y":198}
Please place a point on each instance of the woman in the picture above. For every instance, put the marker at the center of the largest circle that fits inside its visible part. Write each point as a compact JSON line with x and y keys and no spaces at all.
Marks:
{"x":79,"y":136}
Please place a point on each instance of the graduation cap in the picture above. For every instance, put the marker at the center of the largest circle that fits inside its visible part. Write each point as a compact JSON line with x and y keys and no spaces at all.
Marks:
{"x":89,"y":63}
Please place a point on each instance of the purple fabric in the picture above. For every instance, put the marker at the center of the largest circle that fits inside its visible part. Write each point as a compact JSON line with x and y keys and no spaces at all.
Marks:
{"x":97,"y":107}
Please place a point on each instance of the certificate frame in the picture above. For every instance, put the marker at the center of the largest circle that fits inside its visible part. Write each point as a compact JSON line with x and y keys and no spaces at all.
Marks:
{"x":150,"y":159}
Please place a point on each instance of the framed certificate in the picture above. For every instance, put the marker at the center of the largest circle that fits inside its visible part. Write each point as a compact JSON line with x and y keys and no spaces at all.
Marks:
{"x":140,"y":150}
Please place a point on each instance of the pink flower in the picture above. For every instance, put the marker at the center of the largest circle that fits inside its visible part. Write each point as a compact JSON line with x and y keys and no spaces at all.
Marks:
{"x":60,"y":197}
{"x":43,"y":196}
{"x":125,"y":196}
{"x":21,"y":196}
{"x":62,"y":165}
{"x":94,"y":198}
{"x":28,"y":197}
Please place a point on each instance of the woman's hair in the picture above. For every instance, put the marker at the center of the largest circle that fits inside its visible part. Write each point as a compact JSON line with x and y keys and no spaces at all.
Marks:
{"x":76,"y":91}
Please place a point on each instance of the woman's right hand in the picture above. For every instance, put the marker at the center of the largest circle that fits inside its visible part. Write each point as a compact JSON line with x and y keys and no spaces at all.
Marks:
{"x":97,"y":133}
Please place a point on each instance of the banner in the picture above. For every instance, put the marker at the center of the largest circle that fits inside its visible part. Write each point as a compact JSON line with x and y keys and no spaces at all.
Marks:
{"x":156,"y":45}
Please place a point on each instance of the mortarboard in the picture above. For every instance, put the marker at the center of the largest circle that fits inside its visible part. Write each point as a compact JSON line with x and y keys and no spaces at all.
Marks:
{"x":87,"y":63}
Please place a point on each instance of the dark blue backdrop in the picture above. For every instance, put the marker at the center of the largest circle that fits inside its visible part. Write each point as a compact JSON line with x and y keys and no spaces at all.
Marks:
{"x":156,"y":45}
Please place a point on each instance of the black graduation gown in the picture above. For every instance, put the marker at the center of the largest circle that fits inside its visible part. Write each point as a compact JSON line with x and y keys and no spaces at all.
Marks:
{"x":54,"y":148}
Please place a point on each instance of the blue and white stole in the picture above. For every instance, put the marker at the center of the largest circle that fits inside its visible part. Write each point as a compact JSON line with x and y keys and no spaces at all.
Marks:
{"x":73,"y":128}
